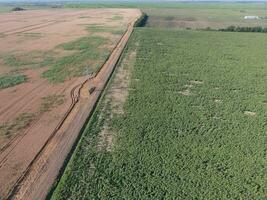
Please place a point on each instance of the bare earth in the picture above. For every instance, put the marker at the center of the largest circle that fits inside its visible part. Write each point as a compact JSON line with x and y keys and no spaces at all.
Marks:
{"x":53,"y":27}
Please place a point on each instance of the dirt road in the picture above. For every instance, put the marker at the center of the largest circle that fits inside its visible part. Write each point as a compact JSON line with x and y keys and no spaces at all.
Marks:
{"x":42,"y":172}
{"x":25,"y":101}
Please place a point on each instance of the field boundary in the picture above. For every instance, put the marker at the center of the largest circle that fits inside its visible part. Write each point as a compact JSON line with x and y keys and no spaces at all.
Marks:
{"x":75,"y":98}
{"x":68,"y":159}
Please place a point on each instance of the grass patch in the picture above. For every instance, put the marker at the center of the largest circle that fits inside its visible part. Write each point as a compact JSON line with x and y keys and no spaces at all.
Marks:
{"x":84,"y":43}
{"x":29,"y":60}
{"x":101,"y":29}
{"x":117,"y":17}
{"x":5,"y":8}
{"x":10,"y":80}
{"x":89,"y":55}
{"x":31,"y":35}
{"x":117,"y":32}
{"x":2,"y":35}
{"x":9,"y":129}
{"x":174,"y":146}
{"x":51,"y":101}
{"x":12,"y":128}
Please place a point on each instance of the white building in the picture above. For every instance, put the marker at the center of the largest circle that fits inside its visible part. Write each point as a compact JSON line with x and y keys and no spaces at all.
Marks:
{"x":251,"y":17}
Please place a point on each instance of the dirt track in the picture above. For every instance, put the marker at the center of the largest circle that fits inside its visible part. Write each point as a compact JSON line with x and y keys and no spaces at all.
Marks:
{"x":18,"y":152}
{"x":38,"y":178}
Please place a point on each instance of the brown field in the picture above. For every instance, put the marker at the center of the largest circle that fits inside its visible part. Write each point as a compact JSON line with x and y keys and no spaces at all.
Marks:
{"x":30,"y":111}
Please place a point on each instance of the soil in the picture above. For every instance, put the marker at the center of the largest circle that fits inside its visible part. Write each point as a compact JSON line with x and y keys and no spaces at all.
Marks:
{"x":41,"y":174}
{"x":18,"y":152}
{"x":54,"y":26}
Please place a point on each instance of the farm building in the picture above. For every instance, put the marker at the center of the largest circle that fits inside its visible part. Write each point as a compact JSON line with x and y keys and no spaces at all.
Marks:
{"x":251,"y":17}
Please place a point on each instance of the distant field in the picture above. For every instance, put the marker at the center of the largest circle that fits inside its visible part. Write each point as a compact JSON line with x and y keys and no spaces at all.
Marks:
{"x":175,"y":5}
{"x":192,"y":126}
{"x":7,"y":7}
{"x":217,"y":17}
{"x":4,"y":8}
{"x":192,"y":15}
{"x":175,"y":14}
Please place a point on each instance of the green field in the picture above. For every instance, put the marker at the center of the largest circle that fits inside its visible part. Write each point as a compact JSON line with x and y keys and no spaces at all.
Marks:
{"x":193,"y":125}
{"x":172,"y":5}
{"x":199,"y":17}
{"x":4,"y":8}
{"x":191,"y":15}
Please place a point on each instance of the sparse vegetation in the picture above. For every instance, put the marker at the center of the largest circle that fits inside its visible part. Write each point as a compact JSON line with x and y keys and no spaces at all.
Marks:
{"x":207,"y":143}
{"x":31,"y":35}
{"x":101,"y":29}
{"x":117,"y":17}
{"x":9,"y":129}
{"x":12,"y":79}
{"x":50,"y":102}
{"x":86,"y":60}
{"x":29,"y":60}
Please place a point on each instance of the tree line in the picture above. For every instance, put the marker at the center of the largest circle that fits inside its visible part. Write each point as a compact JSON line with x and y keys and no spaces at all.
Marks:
{"x":257,"y":29}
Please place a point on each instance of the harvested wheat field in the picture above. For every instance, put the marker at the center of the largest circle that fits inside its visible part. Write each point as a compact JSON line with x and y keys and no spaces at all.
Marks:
{"x":44,"y":56}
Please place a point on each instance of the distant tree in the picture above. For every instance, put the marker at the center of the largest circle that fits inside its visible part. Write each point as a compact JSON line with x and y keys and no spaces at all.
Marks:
{"x":231,"y":28}
{"x":256,"y":29}
{"x":17,"y":9}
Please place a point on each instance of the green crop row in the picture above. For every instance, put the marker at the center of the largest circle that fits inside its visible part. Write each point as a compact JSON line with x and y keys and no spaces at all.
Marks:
{"x":193,"y":126}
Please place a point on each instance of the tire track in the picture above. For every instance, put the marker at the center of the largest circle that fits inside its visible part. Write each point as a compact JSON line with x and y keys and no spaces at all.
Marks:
{"x":18,"y":137}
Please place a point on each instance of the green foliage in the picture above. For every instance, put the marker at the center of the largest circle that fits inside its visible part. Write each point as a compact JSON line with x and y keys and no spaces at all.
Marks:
{"x":33,"y":59}
{"x":31,"y":35}
{"x":10,"y":80}
{"x":117,"y":17}
{"x":50,"y":102}
{"x":5,"y":8}
{"x":84,"y":43}
{"x":141,"y":21}
{"x":118,"y":32}
{"x":257,"y":29}
{"x":184,"y":133}
{"x":17,"y":9}
{"x":101,"y":29}
{"x":89,"y":54}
